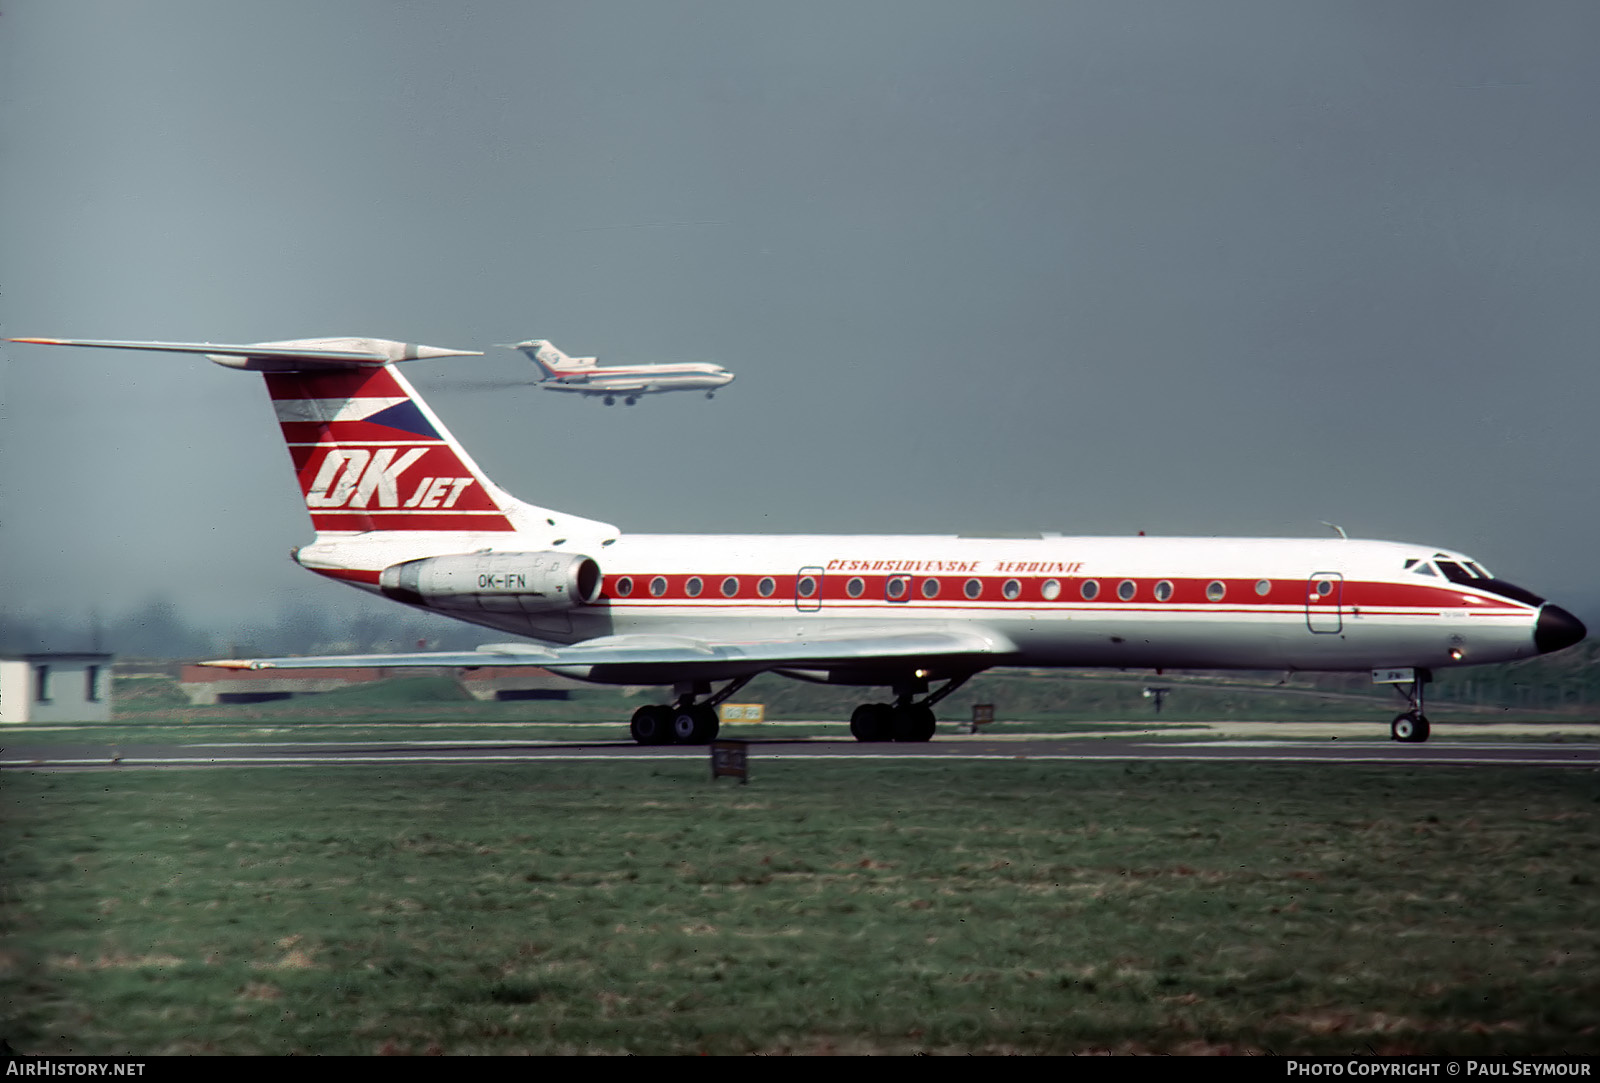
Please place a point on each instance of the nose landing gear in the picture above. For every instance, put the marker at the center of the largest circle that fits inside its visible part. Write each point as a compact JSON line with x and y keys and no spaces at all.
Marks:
{"x":1411,"y":726}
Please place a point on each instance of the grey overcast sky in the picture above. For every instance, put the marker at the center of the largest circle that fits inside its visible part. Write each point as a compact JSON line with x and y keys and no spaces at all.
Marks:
{"x":1089,"y":267}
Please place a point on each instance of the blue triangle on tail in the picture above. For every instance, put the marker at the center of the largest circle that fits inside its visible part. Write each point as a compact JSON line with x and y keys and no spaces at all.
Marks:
{"x":406,"y":417}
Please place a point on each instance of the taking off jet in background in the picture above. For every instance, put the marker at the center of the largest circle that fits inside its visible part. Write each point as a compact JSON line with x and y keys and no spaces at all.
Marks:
{"x":627,"y":382}
{"x":401,"y":510}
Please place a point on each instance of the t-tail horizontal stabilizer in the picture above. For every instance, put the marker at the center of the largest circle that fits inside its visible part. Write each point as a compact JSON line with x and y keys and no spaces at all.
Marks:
{"x":291,"y":355}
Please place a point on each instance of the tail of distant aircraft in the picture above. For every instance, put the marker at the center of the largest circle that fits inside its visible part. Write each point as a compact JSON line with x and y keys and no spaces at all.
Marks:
{"x":551,"y":361}
{"x":368,"y":452}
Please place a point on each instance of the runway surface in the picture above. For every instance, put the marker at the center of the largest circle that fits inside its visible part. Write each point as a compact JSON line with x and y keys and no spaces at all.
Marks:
{"x":44,"y":756}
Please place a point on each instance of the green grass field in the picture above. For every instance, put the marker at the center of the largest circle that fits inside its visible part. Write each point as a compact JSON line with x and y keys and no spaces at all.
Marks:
{"x":826,"y":907}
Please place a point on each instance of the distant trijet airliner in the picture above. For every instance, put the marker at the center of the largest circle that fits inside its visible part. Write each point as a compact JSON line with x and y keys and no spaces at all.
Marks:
{"x":627,"y":382}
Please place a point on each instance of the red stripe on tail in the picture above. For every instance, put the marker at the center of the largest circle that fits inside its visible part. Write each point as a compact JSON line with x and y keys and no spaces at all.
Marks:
{"x":370,"y":456}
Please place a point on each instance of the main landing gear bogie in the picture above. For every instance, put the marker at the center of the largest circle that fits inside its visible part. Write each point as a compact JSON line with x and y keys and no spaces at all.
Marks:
{"x":690,"y":721}
{"x":688,"y":724}
{"x":907,"y":718}
{"x":893,"y":722}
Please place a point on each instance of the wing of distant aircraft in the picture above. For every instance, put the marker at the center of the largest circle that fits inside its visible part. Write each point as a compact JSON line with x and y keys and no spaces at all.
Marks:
{"x":608,"y":388}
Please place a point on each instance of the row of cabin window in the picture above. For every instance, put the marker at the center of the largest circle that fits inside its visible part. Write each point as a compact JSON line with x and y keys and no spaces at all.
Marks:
{"x":898,"y":588}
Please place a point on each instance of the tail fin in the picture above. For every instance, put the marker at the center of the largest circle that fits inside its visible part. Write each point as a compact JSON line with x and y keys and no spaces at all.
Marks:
{"x":551,"y":360}
{"x":368,"y":452}
{"x":370,"y":455}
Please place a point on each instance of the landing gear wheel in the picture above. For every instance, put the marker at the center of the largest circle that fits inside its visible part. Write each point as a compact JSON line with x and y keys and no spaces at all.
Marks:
{"x":610,"y":401}
{"x":652,"y":725}
{"x":872,"y":722}
{"x":914,"y":722}
{"x":697,"y":725}
{"x":1410,"y":727}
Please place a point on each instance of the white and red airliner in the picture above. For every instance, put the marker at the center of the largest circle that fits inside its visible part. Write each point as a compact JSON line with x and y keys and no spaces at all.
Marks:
{"x":586,"y":376}
{"x":401,"y":510}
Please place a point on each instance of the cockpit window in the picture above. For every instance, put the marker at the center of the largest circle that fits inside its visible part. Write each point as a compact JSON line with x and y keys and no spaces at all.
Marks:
{"x":1462,"y":577}
{"x":1422,"y":569}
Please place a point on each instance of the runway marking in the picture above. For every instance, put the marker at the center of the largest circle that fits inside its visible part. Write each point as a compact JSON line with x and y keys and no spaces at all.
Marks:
{"x":1372,"y":754}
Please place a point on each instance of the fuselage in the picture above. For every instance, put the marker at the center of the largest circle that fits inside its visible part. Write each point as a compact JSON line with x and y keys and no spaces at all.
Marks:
{"x":620,"y":379}
{"x":400,"y":509}
{"x":1252,"y":603}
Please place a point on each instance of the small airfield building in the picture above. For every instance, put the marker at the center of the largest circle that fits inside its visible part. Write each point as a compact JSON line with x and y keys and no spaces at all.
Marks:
{"x":55,"y":687}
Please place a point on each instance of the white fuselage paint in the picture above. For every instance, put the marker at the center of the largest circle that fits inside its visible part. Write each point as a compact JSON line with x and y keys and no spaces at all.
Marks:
{"x":639,"y":379}
{"x":1371,"y":612}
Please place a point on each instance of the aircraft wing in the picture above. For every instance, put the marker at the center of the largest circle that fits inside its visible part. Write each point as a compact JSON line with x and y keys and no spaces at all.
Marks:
{"x":597,"y":389}
{"x":663,"y":659}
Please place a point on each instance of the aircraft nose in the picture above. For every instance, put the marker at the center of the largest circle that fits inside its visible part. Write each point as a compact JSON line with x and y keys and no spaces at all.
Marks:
{"x":1556,"y":629}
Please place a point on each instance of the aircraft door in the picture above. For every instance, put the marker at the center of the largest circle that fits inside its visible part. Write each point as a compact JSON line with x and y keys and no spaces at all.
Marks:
{"x":808,"y":590}
{"x":1325,"y":603}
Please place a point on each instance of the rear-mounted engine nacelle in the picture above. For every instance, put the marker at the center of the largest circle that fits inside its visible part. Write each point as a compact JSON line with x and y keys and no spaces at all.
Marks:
{"x":498,"y":582}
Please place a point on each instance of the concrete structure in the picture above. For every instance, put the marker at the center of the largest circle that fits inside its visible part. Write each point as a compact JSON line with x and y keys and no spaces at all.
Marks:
{"x":55,"y":687}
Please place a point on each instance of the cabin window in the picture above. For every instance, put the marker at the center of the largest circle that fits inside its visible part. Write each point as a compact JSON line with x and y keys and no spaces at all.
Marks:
{"x":1051,"y":589}
{"x":693,"y":587}
{"x":658,"y":586}
{"x":897,"y":587}
{"x":1164,"y":591}
{"x":1263,"y":587}
{"x":1215,"y":591}
{"x":1090,"y":590}
{"x":623,"y":586}
{"x":1126,"y":590}
{"x":1324,"y":587}
{"x":1012,"y":589}
{"x":856,"y":587}
{"x":930,"y":588}
{"x":730,"y":587}
{"x":974,"y":588}
{"x":766,"y":587}
{"x":806,"y":587}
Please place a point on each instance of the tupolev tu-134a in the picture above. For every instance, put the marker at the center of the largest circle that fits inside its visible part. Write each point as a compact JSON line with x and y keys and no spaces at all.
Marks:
{"x":586,"y":376}
{"x":400,"y":509}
